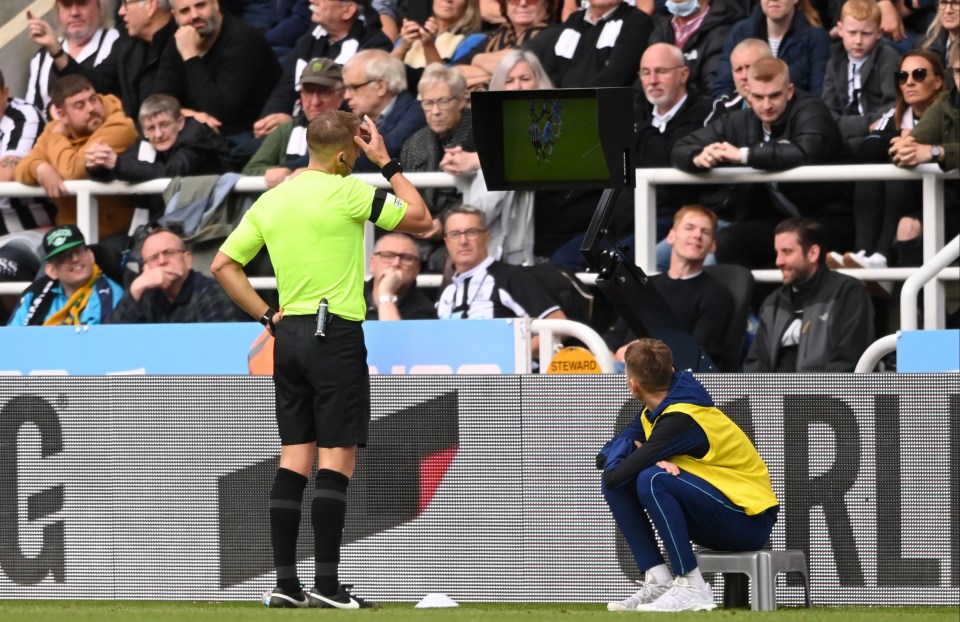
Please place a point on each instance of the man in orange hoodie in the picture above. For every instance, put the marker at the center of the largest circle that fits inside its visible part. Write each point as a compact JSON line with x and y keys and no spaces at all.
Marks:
{"x":85,"y":117}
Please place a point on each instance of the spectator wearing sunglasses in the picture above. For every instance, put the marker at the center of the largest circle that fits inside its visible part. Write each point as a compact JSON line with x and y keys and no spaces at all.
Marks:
{"x":936,"y":139}
{"x":391,"y":293}
{"x":920,"y":80}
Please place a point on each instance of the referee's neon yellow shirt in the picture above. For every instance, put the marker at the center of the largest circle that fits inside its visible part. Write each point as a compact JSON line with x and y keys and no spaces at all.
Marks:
{"x":312,"y":226}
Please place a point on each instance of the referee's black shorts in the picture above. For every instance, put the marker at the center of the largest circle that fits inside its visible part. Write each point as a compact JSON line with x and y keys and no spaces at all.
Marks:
{"x":322,"y":386}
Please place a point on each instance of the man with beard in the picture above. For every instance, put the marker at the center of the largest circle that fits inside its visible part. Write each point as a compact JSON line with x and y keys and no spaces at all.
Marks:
{"x":85,"y":117}
{"x":84,"y":40}
{"x":221,"y":70}
{"x":819,"y":320}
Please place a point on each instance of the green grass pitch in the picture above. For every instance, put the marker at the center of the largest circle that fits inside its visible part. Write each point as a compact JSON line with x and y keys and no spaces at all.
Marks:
{"x":136,"y":611}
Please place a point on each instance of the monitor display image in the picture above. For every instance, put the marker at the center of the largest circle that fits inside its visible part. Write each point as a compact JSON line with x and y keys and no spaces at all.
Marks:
{"x":557,"y":138}
{"x":547,"y":143}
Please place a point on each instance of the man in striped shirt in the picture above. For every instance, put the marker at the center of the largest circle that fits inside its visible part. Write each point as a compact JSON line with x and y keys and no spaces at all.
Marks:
{"x":20,"y":124}
{"x":85,"y":39}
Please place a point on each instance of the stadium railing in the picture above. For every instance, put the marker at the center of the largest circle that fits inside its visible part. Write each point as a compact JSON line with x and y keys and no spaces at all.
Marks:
{"x":934,"y":296}
{"x":908,"y":306}
{"x":648,"y":180}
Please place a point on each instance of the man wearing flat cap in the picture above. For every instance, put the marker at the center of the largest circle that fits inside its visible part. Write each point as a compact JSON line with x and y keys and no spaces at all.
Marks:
{"x":284,"y":151}
{"x":74,"y":291}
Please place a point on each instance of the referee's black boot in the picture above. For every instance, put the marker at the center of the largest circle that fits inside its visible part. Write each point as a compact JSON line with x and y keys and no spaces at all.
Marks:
{"x":343,"y":599}
{"x":278,"y":597}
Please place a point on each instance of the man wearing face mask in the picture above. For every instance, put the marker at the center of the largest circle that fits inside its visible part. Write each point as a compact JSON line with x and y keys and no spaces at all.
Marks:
{"x":698,"y":28}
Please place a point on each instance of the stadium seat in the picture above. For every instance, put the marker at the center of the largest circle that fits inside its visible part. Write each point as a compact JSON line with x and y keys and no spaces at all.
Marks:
{"x":739,"y":281}
{"x":762,"y":567}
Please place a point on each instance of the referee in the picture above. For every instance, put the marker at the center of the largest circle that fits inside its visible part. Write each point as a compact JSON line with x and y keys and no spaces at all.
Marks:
{"x":312,"y":226}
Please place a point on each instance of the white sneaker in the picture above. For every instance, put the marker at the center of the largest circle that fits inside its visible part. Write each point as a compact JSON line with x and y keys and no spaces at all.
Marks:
{"x":862,"y":260}
{"x":879,"y":289}
{"x":649,"y":591}
{"x":682,"y":596}
{"x":834,"y":260}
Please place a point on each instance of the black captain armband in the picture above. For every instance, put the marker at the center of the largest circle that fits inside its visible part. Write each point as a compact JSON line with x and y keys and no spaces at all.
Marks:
{"x":391,"y":168}
{"x":267,"y":319}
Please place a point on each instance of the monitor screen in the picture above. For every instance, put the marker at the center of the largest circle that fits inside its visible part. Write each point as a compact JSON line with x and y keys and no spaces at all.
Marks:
{"x":560,"y":138}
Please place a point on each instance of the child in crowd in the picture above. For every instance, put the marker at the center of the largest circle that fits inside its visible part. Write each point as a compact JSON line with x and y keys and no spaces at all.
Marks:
{"x":858,"y":87}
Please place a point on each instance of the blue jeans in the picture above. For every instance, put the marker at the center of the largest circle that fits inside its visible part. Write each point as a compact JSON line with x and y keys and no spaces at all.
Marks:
{"x":683,"y":509}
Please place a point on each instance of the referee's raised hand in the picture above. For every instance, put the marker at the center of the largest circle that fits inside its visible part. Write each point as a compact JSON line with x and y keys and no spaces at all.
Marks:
{"x":373,"y":145}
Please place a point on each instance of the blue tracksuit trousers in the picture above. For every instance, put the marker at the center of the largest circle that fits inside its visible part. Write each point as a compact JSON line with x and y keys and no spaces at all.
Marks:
{"x":683,"y":509}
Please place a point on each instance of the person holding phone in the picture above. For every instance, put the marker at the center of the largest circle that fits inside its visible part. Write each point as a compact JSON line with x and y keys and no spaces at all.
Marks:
{"x":444,"y":37}
{"x":523,"y":20}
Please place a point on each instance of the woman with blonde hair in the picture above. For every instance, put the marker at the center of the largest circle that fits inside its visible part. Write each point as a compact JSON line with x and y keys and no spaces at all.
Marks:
{"x":944,"y":32}
{"x":446,"y":36}
{"x":523,"y":20}
{"x":509,"y":214}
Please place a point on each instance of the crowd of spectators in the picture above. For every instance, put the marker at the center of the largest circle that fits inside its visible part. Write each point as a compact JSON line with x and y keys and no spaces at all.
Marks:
{"x":207,"y":87}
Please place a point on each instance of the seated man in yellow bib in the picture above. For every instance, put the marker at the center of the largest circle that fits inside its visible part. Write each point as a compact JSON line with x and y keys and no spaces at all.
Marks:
{"x":684,"y":469}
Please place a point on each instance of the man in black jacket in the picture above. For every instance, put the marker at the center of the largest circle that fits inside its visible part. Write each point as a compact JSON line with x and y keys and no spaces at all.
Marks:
{"x":783,"y":129}
{"x":819,"y":321}
{"x":130,"y":71}
{"x":221,"y":70}
{"x":664,"y":110}
{"x":170,"y":145}
{"x":667,"y":112}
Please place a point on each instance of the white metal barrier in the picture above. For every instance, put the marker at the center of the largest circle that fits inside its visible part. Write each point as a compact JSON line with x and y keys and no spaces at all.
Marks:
{"x":549,"y":329}
{"x":908,"y":305}
{"x":645,"y":213}
{"x":933,"y":237}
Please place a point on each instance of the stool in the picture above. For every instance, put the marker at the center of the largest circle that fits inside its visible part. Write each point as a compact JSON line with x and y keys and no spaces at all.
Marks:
{"x":762,"y":567}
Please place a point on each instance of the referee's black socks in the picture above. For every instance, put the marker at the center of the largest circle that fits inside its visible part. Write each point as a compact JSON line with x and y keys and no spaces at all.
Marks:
{"x":286,"y":498}
{"x":328,"y":514}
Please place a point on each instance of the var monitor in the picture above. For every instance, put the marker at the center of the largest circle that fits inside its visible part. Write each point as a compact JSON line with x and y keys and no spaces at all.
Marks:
{"x":559,"y":138}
